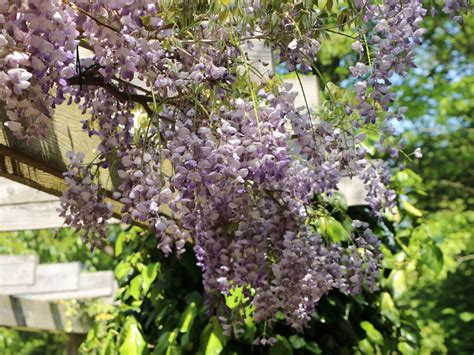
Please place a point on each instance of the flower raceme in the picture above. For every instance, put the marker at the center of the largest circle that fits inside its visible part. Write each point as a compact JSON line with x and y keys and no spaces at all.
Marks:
{"x":215,"y":160}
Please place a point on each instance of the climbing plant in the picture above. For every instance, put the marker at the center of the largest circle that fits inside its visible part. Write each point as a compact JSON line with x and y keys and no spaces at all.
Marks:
{"x":215,"y":158}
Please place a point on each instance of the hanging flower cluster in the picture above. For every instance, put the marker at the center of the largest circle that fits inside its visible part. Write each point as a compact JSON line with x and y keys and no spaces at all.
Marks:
{"x":230,"y":166}
{"x":83,"y":203}
{"x":38,"y":46}
{"x":389,"y":50}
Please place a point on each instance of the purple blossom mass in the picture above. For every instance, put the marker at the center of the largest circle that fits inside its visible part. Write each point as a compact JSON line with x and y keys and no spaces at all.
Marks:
{"x":205,"y":157}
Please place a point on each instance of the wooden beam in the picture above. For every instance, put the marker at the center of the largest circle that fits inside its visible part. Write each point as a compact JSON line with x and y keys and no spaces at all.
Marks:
{"x":74,"y":342}
{"x":40,"y":164}
{"x":17,"y":270}
{"x":65,"y":135}
{"x":49,"y":278}
{"x":309,"y":87}
{"x":31,"y":315}
{"x":91,"y":285}
{"x":353,"y":190}
{"x":25,"y":170}
{"x":12,"y":193}
{"x":30,"y":216}
{"x":260,"y":59}
{"x":25,"y":208}
{"x":22,"y":168}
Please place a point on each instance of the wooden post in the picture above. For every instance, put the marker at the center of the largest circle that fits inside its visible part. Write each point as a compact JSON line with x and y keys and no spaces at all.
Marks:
{"x":74,"y":342}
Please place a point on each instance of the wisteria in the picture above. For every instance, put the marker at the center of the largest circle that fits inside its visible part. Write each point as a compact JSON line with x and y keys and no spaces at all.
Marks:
{"x":206,"y":158}
{"x":396,"y":31}
{"x":456,"y":8}
{"x":38,"y":44}
{"x":83,"y":204}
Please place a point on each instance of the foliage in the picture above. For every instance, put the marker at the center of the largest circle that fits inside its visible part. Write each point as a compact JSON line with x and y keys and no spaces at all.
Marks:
{"x":30,"y":343}
{"x":439,"y":119}
{"x":56,"y":247}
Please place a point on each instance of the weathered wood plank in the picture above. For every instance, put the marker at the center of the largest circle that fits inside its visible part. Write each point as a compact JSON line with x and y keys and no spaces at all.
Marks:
{"x":17,"y":270}
{"x":309,"y":87}
{"x":25,"y":170}
{"x":91,"y":285}
{"x":353,"y":190}
{"x":7,"y":315}
{"x":40,"y":315}
{"x":30,"y":216}
{"x":17,"y":259}
{"x":49,"y":278}
{"x":12,"y":193}
{"x":25,"y":208}
{"x":64,"y":135}
{"x":51,"y":316}
{"x":260,"y":59}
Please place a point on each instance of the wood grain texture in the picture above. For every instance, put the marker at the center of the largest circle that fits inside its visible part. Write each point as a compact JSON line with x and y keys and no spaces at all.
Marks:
{"x":260,"y":59}
{"x":30,"y":216}
{"x":310,"y":87}
{"x":34,"y":315}
{"x":65,"y":135}
{"x":353,"y":190}
{"x":38,"y":175}
{"x":12,"y":193}
{"x":17,"y":270}
{"x":49,"y":278}
{"x":91,"y":285}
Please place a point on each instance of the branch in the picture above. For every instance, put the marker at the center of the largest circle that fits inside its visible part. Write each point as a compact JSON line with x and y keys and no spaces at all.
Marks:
{"x":98,"y":21}
{"x":122,"y":96}
{"x":464,"y":258}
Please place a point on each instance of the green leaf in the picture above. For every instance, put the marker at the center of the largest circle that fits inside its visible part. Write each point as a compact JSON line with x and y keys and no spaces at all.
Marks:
{"x":136,"y":287}
{"x":140,"y":284}
{"x":329,"y":5}
{"x":214,"y":345}
{"x":122,"y":270}
{"x":282,"y":347}
{"x":149,"y":275}
{"x":399,"y":283}
{"x":466,"y":316}
{"x":432,"y":257}
{"x":173,"y":350}
{"x":297,"y":342}
{"x":388,"y":309}
{"x":212,"y":338}
{"x":373,"y":334}
{"x":405,"y":348}
{"x":333,"y":228}
{"x":165,"y":341}
{"x":313,"y":347}
{"x":235,"y":297}
{"x":411,"y":209}
{"x":365,"y":347}
{"x":187,"y":318}
{"x":119,"y":243}
{"x":133,"y":341}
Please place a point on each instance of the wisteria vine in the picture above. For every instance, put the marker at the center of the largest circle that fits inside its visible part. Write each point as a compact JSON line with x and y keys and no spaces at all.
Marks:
{"x":206,"y":156}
